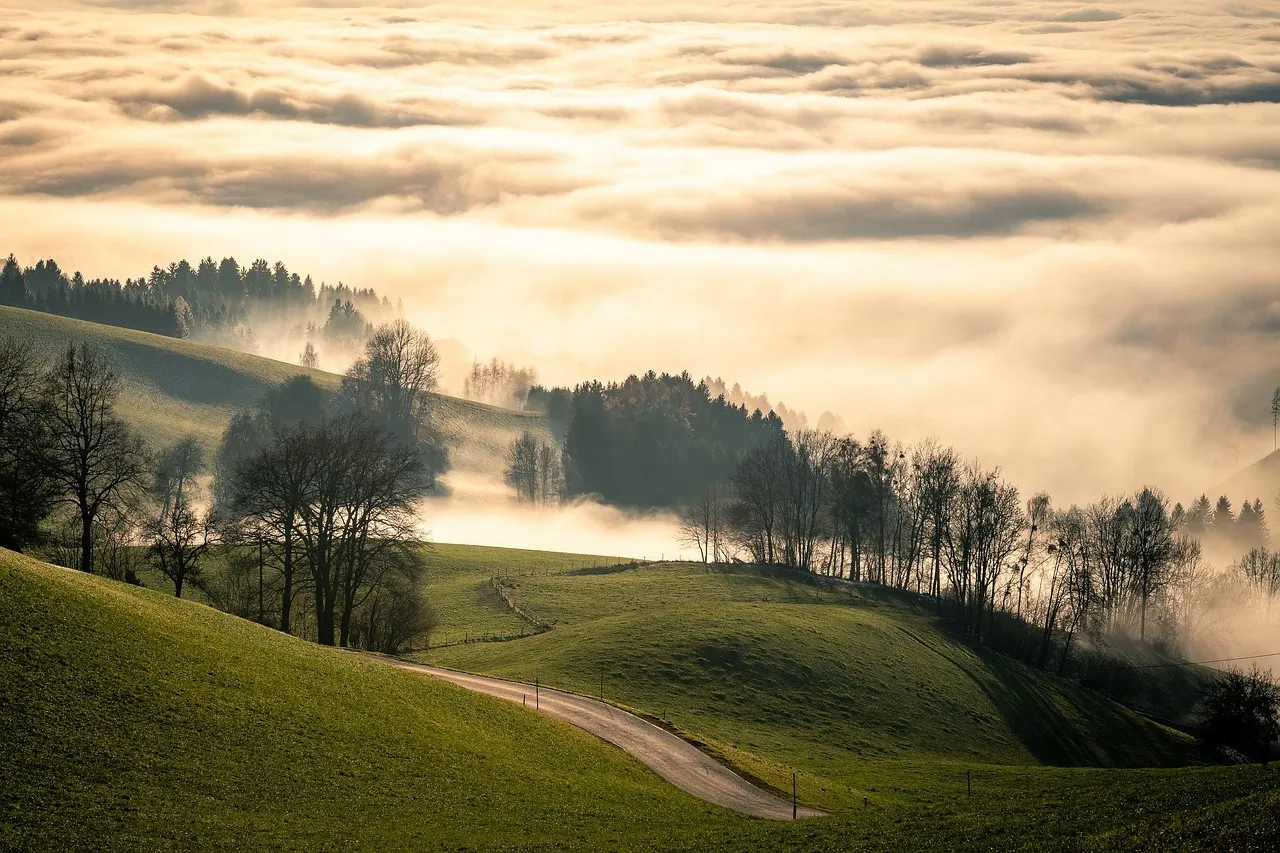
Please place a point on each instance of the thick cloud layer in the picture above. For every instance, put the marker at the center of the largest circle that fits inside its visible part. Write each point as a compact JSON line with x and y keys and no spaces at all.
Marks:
{"x":1044,"y":231}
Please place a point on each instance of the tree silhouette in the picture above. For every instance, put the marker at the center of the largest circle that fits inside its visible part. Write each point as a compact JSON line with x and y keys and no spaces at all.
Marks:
{"x":1275,"y":419}
{"x":96,"y":459}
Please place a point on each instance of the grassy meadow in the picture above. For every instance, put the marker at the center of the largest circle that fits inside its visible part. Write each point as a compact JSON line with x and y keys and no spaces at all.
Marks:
{"x":174,"y":388}
{"x":133,"y":721}
{"x":466,"y":604}
{"x":130,"y":720}
{"x":849,"y":686}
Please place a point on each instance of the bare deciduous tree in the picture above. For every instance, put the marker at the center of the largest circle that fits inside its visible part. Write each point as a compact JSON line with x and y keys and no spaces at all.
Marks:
{"x":702,"y":524}
{"x":95,"y":459}
{"x":357,"y":523}
{"x":393,"y":377}
{"x":268,"y":494}
{"x":176,"y":468}
{"x":27,"y":490}
{"x":180,"y":538}
{"x":534,"y":469}
{"x":1151,"y":548}
{"x":986,"y":521}
{"x":804,"y":496}
{"x":309,"y":357}
{"x":757,"y":510}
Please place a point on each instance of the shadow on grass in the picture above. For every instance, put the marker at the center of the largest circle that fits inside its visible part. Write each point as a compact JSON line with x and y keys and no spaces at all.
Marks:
{"x":185,"y":377}
{"x":1053,"y":717}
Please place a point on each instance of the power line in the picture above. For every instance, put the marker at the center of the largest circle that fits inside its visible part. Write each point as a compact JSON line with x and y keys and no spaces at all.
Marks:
{"x":1197,"y":662}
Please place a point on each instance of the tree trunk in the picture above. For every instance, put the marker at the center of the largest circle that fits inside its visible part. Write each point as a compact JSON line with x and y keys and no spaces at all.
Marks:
{"x":86,"y":543}
{"x":344,"y":624}
{"x":286,"y":603}
{"x":324,"y":618}
{"x":1066,"y":651}
{"x":324,"y":628}
{"x":1142,"y":630}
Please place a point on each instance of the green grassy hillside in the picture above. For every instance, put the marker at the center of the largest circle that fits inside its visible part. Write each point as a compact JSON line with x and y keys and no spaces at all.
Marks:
{"x":456,"y":582}
{"x":782,"y":673}
{"x":131,"y":720}
{"x":466,"y":603}
{"x":175,"y":388}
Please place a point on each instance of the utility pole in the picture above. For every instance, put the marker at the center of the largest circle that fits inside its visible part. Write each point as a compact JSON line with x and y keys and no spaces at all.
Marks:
{"x":261,"y":613}
{"x":1275,"y":418}
{"x":537,"y":694}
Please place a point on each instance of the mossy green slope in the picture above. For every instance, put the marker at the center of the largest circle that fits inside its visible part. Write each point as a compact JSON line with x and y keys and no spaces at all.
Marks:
{"x":466,"y":603}
{"x":131,"y":721}
{"x":174,"y":388}
{"x":783,"y":673}
{"x":134,"y":721}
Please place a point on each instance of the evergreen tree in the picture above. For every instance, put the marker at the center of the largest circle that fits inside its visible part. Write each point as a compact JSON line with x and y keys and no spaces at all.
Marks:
{"x":13,"y":287}
{"x":1197,"y":520}
{"x":1223,"y":516}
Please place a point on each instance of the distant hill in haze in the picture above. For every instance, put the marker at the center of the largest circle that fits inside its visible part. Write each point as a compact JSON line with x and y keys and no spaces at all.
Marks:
{"x":1259,"y":480}
{"x":174,"y":388}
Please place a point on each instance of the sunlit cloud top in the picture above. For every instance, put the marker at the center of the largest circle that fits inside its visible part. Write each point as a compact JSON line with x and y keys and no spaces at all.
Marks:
{"x":1046,"y":232}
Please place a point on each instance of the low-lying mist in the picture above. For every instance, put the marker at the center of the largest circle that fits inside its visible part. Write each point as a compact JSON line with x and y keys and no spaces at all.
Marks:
{"x":477,"y":509}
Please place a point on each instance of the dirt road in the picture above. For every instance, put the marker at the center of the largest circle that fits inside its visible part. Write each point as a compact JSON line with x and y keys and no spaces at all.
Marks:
{"x":667,"y":755}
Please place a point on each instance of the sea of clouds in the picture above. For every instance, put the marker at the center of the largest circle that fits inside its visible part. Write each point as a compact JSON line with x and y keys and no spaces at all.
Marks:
{"x":1046,"y":232}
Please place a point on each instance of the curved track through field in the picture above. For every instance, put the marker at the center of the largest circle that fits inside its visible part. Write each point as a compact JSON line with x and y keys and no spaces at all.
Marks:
{"x":675,"y":760}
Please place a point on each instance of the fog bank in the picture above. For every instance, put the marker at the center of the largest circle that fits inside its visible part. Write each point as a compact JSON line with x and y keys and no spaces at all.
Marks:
{"x":479,"y":510}
{"x":1041,"y":231}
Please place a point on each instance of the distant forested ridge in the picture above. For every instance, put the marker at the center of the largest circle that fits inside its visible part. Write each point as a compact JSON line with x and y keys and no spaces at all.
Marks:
{"x":652,"y":440}
{"x":212,"y":300}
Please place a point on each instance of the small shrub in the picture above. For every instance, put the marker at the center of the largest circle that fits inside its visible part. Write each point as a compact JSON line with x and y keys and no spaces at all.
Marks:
{"x":1242,"y":711}
{"x":393,"y":619}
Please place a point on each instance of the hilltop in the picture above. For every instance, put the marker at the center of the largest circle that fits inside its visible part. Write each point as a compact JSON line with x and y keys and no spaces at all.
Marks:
{"x":781,"y":672}
{"x":1259,"y":480}
{"x":175,"y":387}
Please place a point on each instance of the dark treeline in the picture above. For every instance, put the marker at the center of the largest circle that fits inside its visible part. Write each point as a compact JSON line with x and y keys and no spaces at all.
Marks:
{"x":213,"y":300}
{"x":921,"y":519}
{"x":312,"y":511}
{"x":652,"y":440}
{"x":1052,"y":586}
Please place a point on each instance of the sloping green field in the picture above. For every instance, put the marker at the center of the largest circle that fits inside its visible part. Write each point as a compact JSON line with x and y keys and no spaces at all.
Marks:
{"x":175,"y":388}
{"x":133,"y":721}
{"x":468,"y":607}
{"x":780,"y":673}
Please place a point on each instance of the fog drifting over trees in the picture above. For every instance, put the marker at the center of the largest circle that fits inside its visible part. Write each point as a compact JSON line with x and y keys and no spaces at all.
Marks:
{"x":1042,"y":230}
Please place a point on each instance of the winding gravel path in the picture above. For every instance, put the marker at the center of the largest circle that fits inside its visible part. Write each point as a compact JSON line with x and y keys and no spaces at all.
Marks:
{"x":673,"y":759}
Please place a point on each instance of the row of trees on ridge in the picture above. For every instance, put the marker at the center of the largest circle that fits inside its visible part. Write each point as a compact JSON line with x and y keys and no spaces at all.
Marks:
{"x":316,"y":492}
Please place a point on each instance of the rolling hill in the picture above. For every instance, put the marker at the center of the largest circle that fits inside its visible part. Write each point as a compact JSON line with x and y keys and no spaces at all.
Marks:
{"x":132,"y":720}
{"x":779,"y":672}
{"x":175,"y":388}
{"x":1259,"y":480}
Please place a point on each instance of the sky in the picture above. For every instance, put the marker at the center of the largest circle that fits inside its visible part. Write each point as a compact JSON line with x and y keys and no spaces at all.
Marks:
{"x":1045,"y":232}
